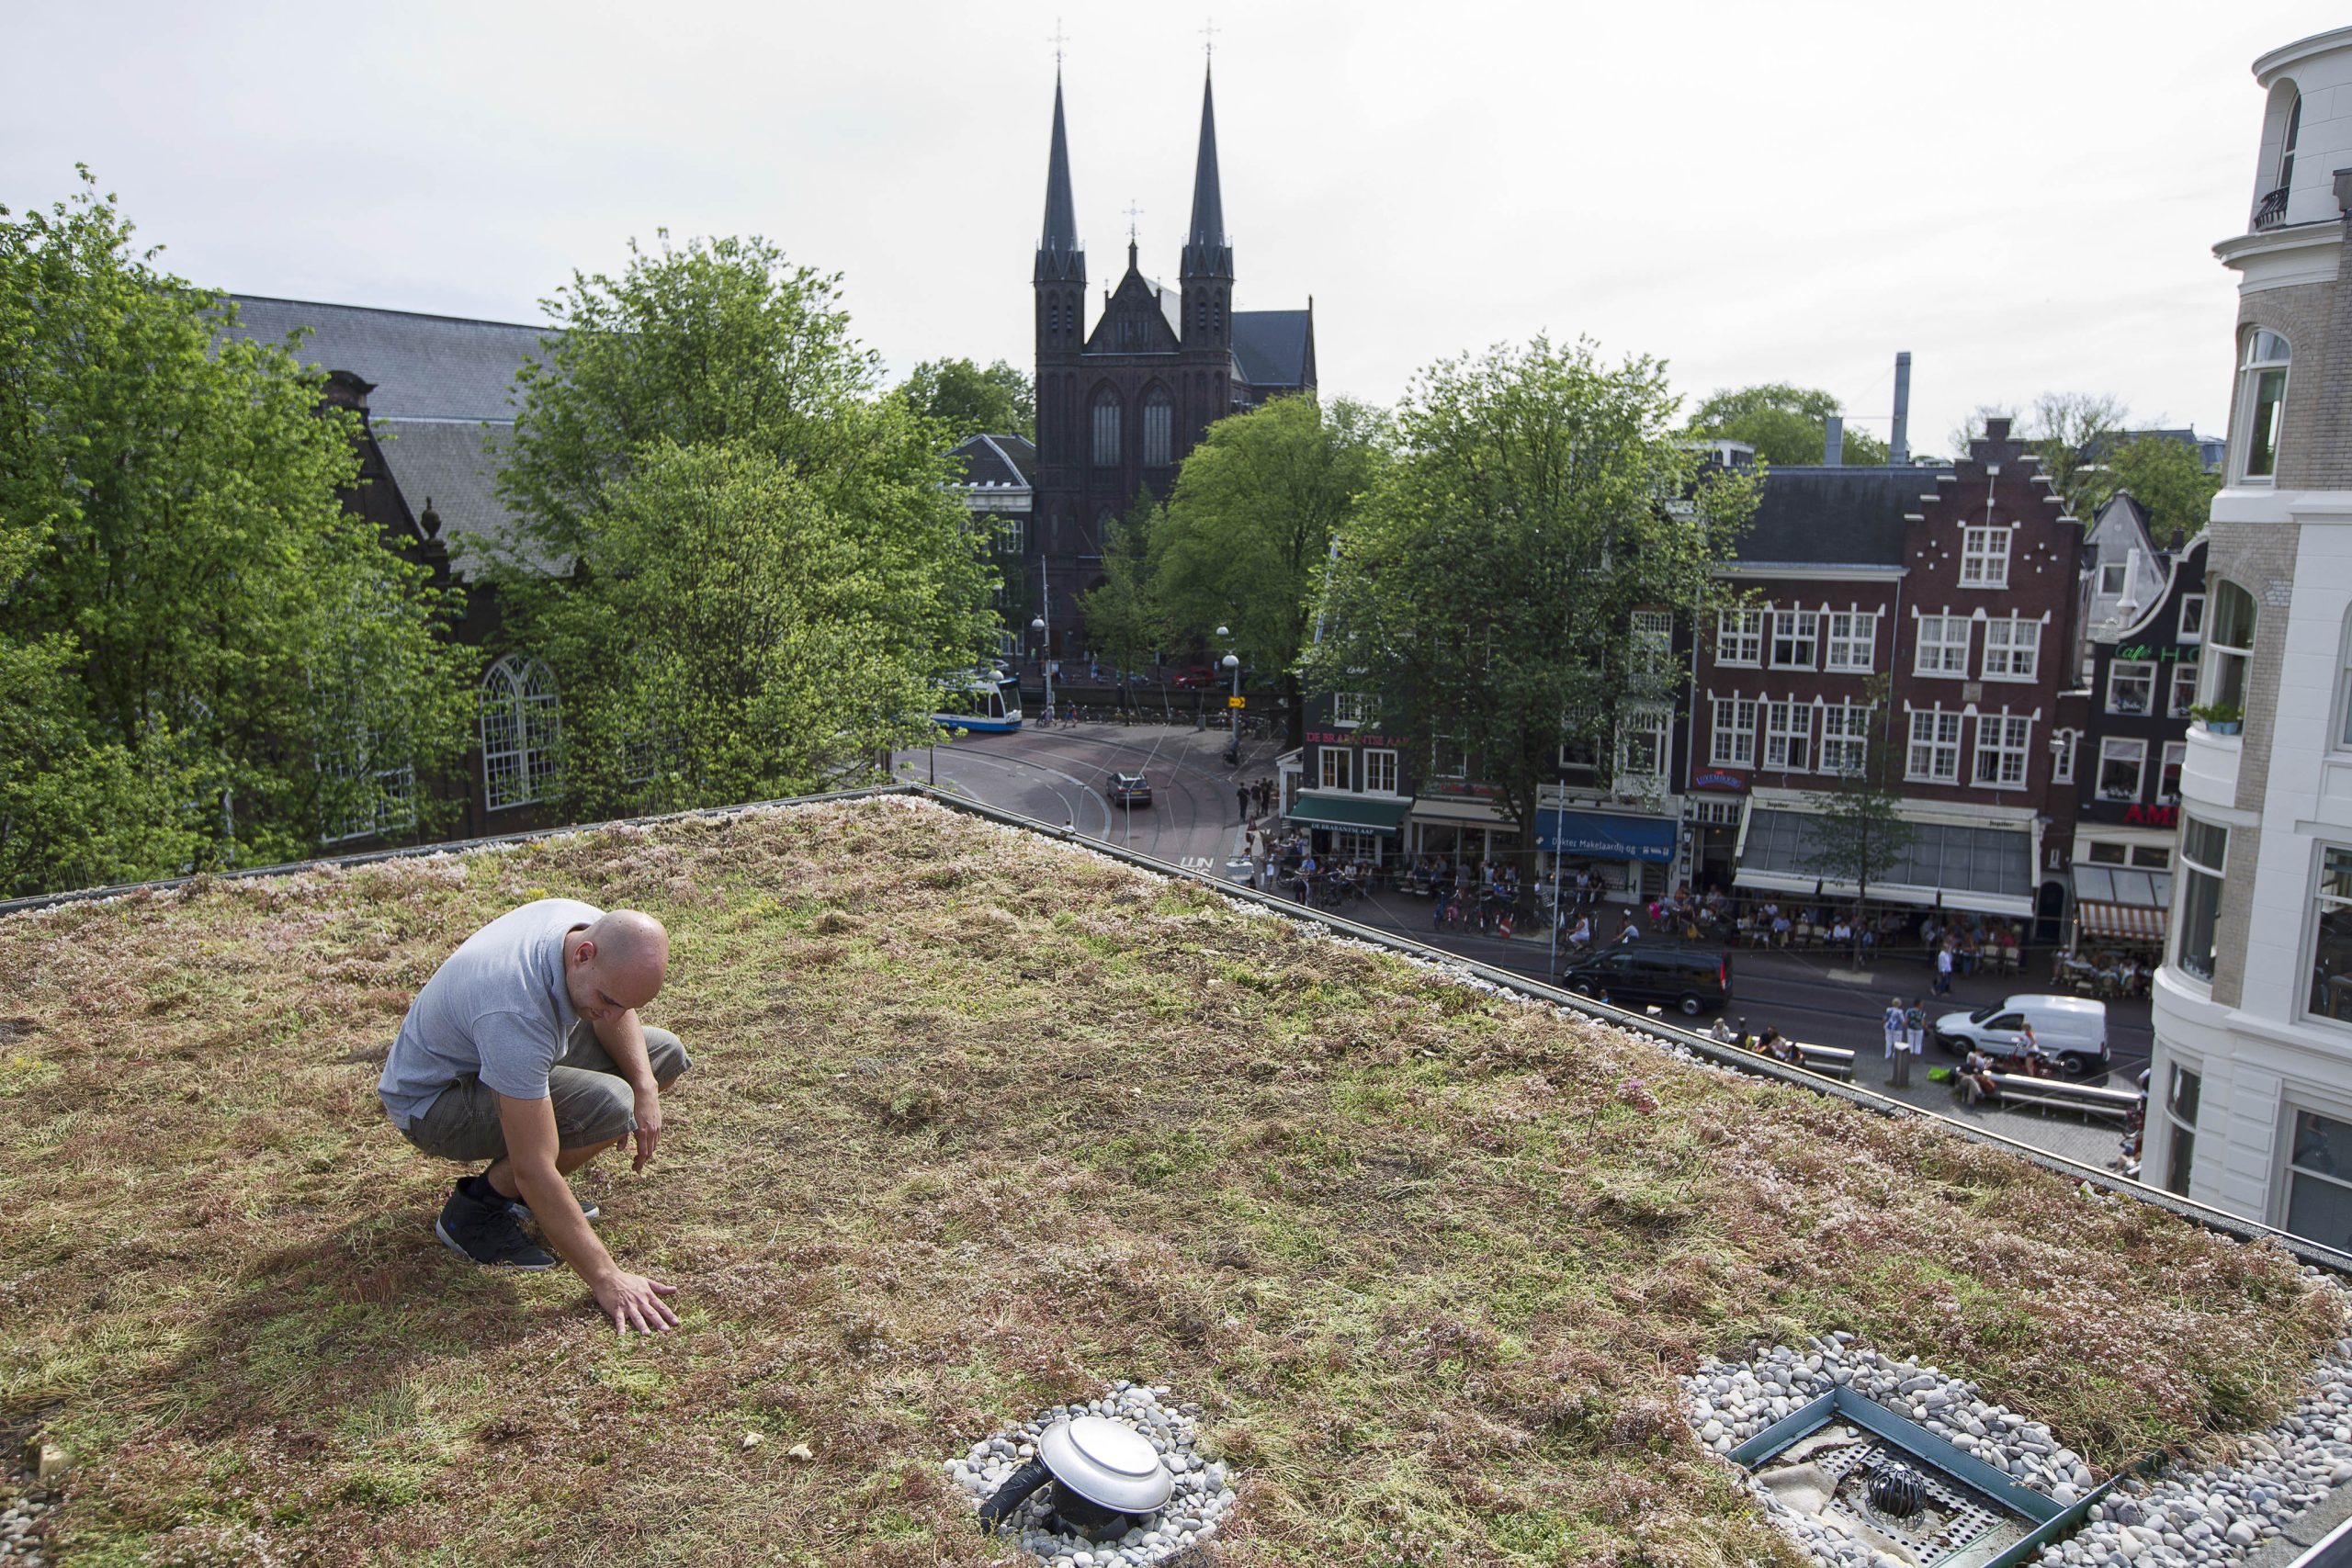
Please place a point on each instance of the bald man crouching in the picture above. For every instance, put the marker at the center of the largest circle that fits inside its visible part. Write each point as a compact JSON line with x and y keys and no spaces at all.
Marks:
{"x":524,"y":1049}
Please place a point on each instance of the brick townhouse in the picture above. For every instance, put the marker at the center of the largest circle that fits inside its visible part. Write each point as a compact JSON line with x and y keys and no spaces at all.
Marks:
{"x":1957,"y":588}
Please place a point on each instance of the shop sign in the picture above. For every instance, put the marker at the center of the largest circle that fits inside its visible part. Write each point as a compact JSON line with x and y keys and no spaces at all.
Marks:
{"x":1719,"y":781}
{"x":2149,"y":653}
{"x":2152,"y":815}
{"x":1350,"y":738}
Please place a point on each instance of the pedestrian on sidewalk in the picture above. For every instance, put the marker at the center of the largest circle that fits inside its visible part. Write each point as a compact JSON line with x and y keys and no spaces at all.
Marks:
{"x":1894,"y":1025}
{"x":1915,"y":1027}
{"x":1241,"y":798}
{"x":1943,"y":970}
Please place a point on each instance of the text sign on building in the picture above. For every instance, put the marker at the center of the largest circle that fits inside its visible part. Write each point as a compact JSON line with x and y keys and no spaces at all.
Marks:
{"x":1719,"y":781}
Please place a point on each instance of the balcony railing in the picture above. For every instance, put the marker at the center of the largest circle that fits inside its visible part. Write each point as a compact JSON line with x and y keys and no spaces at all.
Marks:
{"x":2273,"y":210}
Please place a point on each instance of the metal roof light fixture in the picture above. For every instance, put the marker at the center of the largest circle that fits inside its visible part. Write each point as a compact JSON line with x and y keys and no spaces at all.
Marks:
{"x":1106,"y":1477}
{"x":1120,"y":1478}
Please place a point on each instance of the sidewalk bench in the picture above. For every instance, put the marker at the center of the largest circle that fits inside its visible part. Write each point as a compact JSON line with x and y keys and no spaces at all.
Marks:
{"x":2056,"y":1094}
{"x":1831,"y":1061}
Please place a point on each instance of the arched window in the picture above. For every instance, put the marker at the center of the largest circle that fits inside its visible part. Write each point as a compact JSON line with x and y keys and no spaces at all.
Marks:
{"x":1159,"y":425}
{"x":1107,"y":429}
{"x":518,"y":732}
{"x":2262,"y":395}
{"x":2229,"y":648}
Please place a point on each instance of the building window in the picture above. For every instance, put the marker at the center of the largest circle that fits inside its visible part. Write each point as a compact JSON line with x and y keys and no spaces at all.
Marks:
{"x":1739,"y":636}
{"x":2204,"y":860}
{"x":519,"y":719}
{"x":2061,"y":771}
{"x":2168,"y":773}
{"x":2121,"y":762}
{"x":2344,"y":696}
{"x":1788,"y":736}
{"x":1449,"y":758}
{"x":1794,"y":633}
{"x":1853,"y":641}
{"x":1346,"y":847}
{"x":2192,"y":617}
{"x":2104,"y":853}
{"x":2001,"y":749}
{"x":1935,"y":746}
{"x":2012,"y":650}
{"x":1984,"y":557}
{"x":1653,"y":646}
{"x":1012,"y":533}
{"x":2331,"y":939}
{"x":2184,"y":691}
{"x":2111,"y":578}
{"x":1380,"y":771}
{"x":1347,"y":708}
{"x":1641,"y":743}
{"x":1333,"y":773}
{"x":2229,"y":646}
{"x":2262,"y":389}
{"x":1845,"y":738}
{"x":2181,"y":1093}
{"x":1158,"y":422}
{"x":1107,"y":429}
{"x":390,"y":803}
{"x":2131,"y":687}
{"x":1943,"y":646}
{"x":1006,"y":647}
{"x":2319,"y":1181}
{"x":1731,"y":741}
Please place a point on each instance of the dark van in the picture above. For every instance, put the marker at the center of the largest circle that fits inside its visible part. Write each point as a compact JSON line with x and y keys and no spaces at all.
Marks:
{"x":1691,"y":976}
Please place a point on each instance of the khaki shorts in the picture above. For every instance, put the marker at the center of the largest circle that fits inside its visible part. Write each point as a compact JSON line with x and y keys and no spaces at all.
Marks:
{"x":594,"y":1104}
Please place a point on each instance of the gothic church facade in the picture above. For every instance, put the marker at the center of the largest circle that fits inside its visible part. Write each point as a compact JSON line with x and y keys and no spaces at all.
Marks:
{"x":1119,"y":405}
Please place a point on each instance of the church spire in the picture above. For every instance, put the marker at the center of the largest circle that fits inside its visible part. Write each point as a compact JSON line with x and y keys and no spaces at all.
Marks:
{"x":1059,"y":255}
{"x":1205,"y":252}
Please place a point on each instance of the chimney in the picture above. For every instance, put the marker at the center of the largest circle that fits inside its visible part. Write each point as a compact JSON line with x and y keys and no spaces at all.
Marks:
{"x":1899,"y":444}
{"x":1833,"y":442}
{"x":1996,"y":430}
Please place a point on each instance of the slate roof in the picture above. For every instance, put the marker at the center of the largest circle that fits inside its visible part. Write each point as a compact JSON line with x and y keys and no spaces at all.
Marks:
{"x":1271,"y":346}
{"x":1820,"y":516}
{"x":444,"y":462}
{"x":998,"y":461}
{"x":423,"y":366}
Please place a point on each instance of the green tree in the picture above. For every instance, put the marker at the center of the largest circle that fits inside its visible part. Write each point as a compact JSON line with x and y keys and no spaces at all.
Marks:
{"x":1856,"y":833}
{"x":717,"y":377}
{"x":1785,"y":424}
{"x":2060,"y":429}
{"x":726,"y":639}
{"x":1251,"y":524}
{"x":968,"y":401}
{"x":1484,"y":596}
{"x":2163,"y":476}
{"x":1123,"y":621}
{"x":205,"y":660}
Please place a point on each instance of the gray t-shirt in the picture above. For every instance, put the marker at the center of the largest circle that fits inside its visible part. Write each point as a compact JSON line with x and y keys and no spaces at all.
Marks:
{"x":496,"y":1009}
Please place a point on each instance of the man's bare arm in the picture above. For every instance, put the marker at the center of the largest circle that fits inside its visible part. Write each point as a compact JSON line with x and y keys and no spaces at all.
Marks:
{"x":623,"y":1037}
{"x":631,"y":1300}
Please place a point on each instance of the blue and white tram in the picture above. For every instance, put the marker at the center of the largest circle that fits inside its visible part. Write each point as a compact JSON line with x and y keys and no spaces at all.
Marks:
{"x":984,"y":704}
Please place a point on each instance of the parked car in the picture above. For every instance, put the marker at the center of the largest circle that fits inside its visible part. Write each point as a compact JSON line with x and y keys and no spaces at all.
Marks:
{"x":1692,"y":977}
{"x":1198,"y":675}
{"x":1128,"y":789}
{"x":2072,"y":1031}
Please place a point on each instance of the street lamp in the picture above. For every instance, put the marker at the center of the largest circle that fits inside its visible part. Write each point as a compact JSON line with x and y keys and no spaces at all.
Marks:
{"x":1043,"y":622}
{"x":1233,"y":711}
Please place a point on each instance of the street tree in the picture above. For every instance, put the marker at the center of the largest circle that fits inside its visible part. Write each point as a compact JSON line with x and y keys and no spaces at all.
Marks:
{"x":968,"y":401}
{"x":716,"y":372}
{"x":1785,"y":424}
{"x":1856,"y":832}
{"x":1250,"y":524}
{"x":1123,"y":621}
{"x":2163,"y":476}
{"x":1483,"y":598}
{"x":205,"y":660}
{"x":2062,"y":429}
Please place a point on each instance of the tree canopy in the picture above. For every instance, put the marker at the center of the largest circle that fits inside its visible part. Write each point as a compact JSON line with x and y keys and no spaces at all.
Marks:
{"x":205,"y":660}
{"x":1483,"y":598}
{"x":1123,"y":617}
{"x":716,"y":386}
{"x":967,"y":401}
{"x":2164,"y":475}
{"x":1785,"y":424}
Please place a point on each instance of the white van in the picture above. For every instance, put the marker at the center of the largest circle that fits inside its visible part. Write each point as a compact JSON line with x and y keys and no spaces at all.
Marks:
{"x":2072,"y":1031}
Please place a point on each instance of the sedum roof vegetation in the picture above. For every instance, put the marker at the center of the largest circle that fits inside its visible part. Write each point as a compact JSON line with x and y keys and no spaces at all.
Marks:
{"x":980,"y":1123}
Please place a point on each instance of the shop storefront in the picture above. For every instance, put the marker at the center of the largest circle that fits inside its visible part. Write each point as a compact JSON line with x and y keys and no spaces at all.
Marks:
{"x":1983,"y":868}
{"x":1463,"y":827}
{"x":1351,"y":827}
{"x":1629,"y":853}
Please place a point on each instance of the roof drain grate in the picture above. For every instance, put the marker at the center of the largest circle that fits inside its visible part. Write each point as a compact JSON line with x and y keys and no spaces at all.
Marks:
{"x":1888,"y":1484}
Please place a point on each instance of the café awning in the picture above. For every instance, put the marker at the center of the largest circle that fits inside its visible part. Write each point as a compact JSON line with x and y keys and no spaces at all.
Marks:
{"x":2123,"y":903}
{"x":1604,"y":835}
{"x":1985,"y":869}
{"x":1354,"y":813}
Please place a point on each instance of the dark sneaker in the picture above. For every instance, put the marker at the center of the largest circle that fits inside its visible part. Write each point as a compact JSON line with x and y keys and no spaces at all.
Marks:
{"x":487,"y":1233}
{"x":522,"y":1211}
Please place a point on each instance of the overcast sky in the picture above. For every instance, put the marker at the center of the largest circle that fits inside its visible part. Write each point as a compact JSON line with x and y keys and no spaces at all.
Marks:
{"x":2024,"y":196}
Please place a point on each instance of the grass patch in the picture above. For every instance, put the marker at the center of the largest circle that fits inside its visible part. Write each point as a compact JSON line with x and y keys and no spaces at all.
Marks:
{"x":980,"y":1122}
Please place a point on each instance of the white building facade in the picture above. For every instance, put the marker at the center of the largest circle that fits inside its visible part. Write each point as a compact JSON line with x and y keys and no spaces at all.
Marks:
{"x":2251,"y":1082}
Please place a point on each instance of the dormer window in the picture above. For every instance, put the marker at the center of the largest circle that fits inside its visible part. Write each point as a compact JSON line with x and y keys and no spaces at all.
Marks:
{"x":2262,"y":389}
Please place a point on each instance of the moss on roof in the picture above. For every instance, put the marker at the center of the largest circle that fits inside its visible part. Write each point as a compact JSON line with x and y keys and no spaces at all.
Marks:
{"x":980,"y":1122}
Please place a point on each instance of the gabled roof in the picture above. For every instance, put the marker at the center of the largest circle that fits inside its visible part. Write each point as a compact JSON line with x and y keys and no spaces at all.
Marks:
{"x":1274,"y":348}
{"x":1833,"y":517}
{"x":2123,"y":512}
{"x":423,"y":366}
{"x":1004,"y":462}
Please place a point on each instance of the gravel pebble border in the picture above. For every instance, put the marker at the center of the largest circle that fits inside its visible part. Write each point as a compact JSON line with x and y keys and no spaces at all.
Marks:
{"x":28,"y":1504}
{"x":2186,"y":1514}
{"x":1203,"y":1495}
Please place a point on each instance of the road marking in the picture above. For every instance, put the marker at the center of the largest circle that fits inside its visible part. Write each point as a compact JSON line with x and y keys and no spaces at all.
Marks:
{"x":1196,"y":862}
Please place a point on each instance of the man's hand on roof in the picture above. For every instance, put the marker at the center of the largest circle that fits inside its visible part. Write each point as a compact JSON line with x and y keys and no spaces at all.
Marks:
{"x":632,"y":1301}
{"x":648,"y":1123}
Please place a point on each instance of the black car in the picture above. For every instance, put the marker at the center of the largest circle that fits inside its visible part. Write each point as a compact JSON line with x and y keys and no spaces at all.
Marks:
{"x":1689,"y":976}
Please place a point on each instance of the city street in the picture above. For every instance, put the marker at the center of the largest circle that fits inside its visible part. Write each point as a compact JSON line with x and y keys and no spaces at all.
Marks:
{"x":1058,"y":775}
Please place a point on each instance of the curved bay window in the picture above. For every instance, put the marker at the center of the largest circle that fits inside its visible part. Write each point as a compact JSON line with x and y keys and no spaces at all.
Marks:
{"x":518,"y":732}
{"x":1159,"y":427}
{"x":2204,"y":861}
{"x":2182,"y":1092}
{"x":1107,"y":429}
{"x":2229,"y":646}
{"x":2262,"y":394}
{"x":2330,"y":995}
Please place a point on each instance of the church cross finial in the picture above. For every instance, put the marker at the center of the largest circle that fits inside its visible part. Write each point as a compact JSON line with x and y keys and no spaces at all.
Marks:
{"x":1057,"y":39}
{"x":1135,"y":214}
{"x":1208,"y":34}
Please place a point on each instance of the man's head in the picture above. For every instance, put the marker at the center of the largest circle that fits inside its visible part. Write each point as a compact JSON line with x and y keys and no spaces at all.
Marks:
{"x":615,"y":965}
